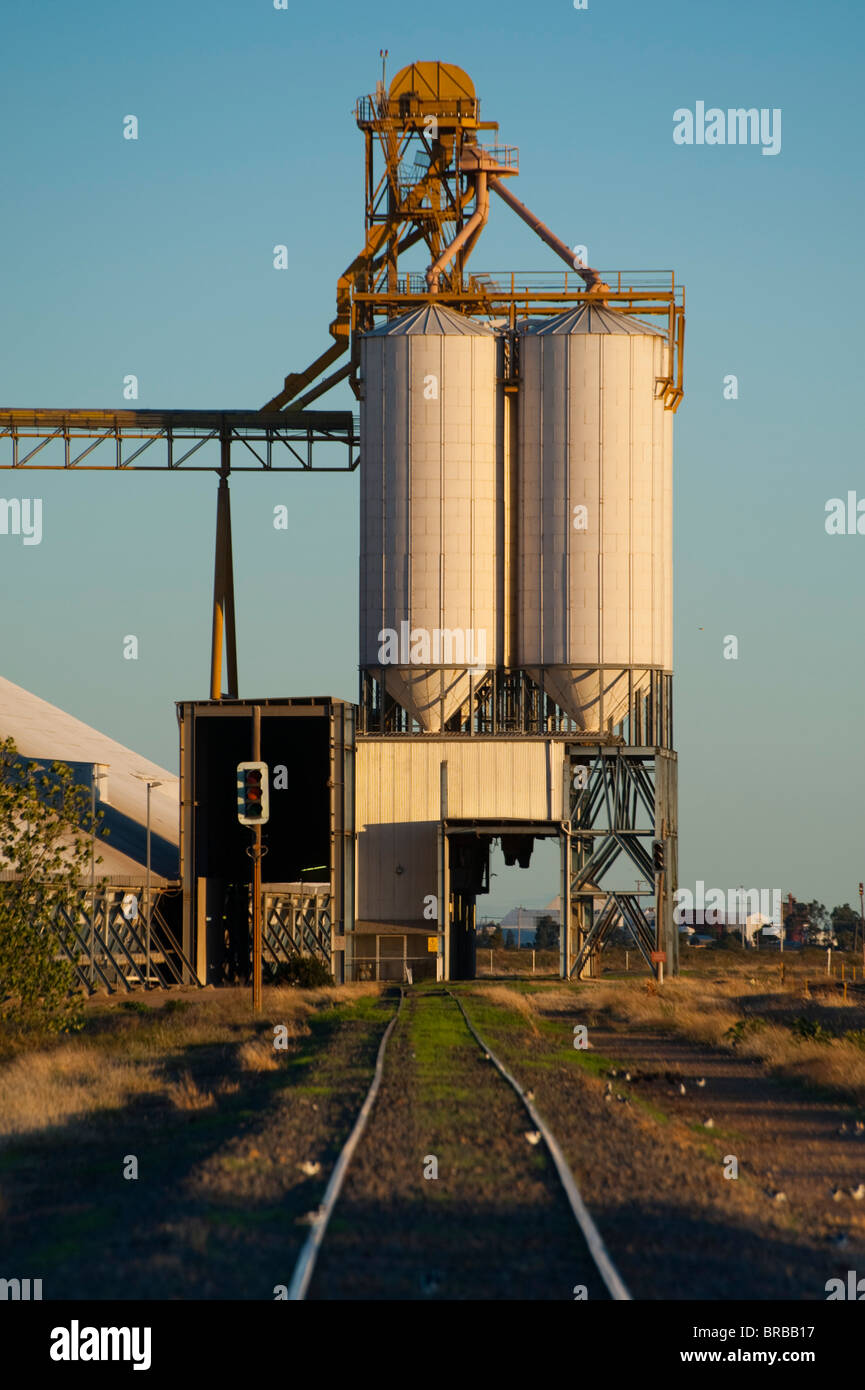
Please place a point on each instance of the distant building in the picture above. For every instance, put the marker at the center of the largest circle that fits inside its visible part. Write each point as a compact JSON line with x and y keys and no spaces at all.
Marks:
{"x":523,"y":921}
{"x":45,"y":734}
{"x":103,"y":934}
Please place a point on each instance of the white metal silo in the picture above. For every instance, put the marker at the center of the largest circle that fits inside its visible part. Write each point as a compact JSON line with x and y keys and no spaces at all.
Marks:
{"x":428,"y":509}
{"x":594,"y":586}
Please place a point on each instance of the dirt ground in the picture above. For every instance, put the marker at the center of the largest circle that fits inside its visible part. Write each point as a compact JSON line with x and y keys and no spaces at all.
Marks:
{"x":235,"y":1143}
{"x":218,"y":1207}
{"x":494,"y":1223}
{"x":652,"y":1172}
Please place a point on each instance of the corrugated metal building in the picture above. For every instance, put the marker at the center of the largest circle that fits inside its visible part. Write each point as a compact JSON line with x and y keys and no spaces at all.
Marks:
{"x":45,"y":733}
{"x":413,"y":794}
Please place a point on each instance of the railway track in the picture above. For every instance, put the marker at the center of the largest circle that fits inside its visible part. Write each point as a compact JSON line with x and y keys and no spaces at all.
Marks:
{"x":451,"y":1184}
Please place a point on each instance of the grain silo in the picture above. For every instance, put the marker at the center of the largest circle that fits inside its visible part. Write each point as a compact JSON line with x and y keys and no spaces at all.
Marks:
{"x":428,"y":509}
{"x":594,"y":593}
{"x":515,"y":556}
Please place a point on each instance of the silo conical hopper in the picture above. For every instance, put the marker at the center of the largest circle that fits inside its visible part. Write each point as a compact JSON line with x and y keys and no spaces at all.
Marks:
{"x":428,"y":509}
{"x":594,"y":586}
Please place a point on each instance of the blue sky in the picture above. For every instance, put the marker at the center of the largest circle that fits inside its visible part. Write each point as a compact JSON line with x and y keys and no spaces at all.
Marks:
{"x":154,"y":257}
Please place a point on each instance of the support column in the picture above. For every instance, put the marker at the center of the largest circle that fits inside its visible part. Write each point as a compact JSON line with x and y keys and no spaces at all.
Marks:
{"x":629,"y":802}
{"x":444,"y":880}
{"x":511,"y":523}
{"x":223,"y":590}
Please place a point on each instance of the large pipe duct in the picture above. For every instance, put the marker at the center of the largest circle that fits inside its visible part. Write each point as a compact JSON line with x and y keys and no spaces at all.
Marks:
{"x":470,"y":232}
{"x":591,"y":277}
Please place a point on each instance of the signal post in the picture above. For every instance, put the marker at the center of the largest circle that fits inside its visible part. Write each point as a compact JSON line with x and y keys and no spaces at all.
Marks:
{"x":253,"y":809}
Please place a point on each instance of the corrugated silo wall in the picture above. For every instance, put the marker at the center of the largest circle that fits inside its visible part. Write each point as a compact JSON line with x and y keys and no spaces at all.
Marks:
{"x":594,"y":589}
{"x":428,"y":536}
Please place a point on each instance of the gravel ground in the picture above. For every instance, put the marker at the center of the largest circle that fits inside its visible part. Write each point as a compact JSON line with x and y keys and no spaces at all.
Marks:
{"x":230,"y":1169}
{"x":652,"y":1173}
{"x":494,"y":1224}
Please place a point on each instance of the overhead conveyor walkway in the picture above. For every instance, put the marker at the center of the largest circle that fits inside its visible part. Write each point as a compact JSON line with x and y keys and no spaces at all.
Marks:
{"x":241,"y":441}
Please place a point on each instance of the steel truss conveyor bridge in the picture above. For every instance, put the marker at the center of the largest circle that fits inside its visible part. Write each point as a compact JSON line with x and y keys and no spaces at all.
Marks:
{"x":245,"y":439}
{"x":186,"y":441}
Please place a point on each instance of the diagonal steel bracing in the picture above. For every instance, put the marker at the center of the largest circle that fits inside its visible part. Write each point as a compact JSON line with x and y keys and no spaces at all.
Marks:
{"x":106,"y":950}
{"x":619,"y":810}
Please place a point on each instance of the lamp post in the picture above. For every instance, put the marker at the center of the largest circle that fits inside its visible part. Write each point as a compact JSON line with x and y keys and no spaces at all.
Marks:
{"x":98,"y":770}
{"x":151,"y":783}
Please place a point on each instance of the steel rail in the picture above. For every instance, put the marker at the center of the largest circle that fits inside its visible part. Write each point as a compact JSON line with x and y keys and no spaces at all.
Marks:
{"x":305,"y":1267}
{"x":591,"y":1234}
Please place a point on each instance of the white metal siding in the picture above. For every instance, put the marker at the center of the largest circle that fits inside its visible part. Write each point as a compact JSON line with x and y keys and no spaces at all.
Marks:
{"x":398,"y":807}
{"x":428,"y":498}
{"x":593,"y":434}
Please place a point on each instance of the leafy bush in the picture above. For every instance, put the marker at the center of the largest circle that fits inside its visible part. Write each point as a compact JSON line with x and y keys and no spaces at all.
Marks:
{"x":810,"y":1031}
{"x":743,"y":1028}
{"x":727,"y":941}
{"x":37,"y":991}
{"x":45,"y":849}
{"x":307,"y":972}
{"x":856,"y":1036}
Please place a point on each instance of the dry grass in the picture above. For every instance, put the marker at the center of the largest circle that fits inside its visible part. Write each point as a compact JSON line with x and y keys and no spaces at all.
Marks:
{"x":258,"y":1055}
{"x":186,"y":1095}
{"x":71,"y":1082}
{"x":697,"y":1010}
{"x":510,"y":999}
{"x":839,"y":1066}
{"x":67,"y":1083}
{"x":331,"y":994}
{"x":551,"y":1002}
{"x":705,"y":1010}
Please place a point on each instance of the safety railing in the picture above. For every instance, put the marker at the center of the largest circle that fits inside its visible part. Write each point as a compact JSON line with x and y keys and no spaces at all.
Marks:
{"x":297,"y":924}
{"x":112,"y":943}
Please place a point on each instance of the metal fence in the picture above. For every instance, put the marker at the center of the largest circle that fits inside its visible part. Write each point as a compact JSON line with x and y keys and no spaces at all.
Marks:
{"x":112,"y":942}
{"x":297,"y":923}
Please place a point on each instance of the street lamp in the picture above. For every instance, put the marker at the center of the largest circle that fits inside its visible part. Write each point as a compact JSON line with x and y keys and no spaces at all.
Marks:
{"x":97,"y":770}
{"x":151,"y":783}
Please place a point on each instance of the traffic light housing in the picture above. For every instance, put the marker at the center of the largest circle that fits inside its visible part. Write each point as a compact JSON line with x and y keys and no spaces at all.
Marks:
{"x":253,"y":798}
{"x":658,"y":850}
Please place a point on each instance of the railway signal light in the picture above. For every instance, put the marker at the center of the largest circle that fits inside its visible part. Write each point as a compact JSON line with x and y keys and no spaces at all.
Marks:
{"x":253,"y":800}
{"x":658,"y":856}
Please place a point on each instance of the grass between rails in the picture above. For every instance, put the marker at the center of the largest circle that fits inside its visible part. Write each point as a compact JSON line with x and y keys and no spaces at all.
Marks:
{"x":490,"y":1222}
{"x":445,"y":1098}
